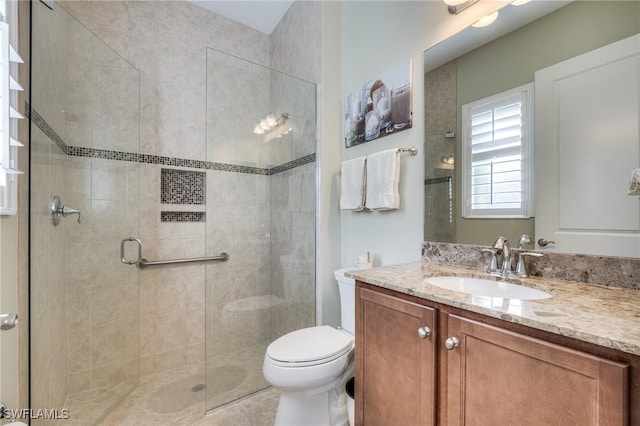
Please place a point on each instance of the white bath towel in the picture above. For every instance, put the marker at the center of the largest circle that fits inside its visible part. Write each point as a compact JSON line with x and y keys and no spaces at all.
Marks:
{"x":353,"y":181}
{"x":383,"y":175}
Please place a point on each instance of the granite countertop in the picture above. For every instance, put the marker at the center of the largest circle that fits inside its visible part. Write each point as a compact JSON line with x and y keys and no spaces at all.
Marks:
{"x":606,"y":316}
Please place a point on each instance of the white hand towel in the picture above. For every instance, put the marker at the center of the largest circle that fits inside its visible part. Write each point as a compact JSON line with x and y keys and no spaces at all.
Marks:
{"x":353,"y":180}
{"x":383,"y":175}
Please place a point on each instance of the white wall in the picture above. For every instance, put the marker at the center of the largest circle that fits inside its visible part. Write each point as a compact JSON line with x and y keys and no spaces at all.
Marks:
{"x":328,"y":163}
{"x":377,"y":35}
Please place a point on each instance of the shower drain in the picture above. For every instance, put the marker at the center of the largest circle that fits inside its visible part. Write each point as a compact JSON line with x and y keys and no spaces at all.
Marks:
{"x":198,"y":388}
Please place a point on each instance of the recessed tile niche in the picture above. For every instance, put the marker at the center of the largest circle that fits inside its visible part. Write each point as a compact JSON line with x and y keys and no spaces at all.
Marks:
{"x":182,"y":187}
{"x":183,"y":216}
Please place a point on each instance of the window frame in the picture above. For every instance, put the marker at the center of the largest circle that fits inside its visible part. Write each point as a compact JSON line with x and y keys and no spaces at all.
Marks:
{"x":10,"y":116}
{"x":526,"y":210}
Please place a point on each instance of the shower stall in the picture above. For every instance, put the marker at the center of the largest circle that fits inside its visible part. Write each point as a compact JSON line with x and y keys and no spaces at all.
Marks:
{"x":182,"y":152}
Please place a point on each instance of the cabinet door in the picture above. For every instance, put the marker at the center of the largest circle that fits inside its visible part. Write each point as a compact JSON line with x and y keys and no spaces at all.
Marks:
{"x":395,"y":361}
{"x":497,"y":377}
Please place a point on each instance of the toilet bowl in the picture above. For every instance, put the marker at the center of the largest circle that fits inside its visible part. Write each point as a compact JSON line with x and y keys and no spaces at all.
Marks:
{"x":311,"y":367}
{"x":307,"y":358}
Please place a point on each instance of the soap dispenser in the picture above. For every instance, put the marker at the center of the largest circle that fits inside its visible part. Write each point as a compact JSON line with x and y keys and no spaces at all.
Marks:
{"x":364,"y":261}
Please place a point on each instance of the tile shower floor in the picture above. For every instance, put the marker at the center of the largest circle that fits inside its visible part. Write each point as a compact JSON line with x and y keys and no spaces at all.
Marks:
{"x":177,"y":397}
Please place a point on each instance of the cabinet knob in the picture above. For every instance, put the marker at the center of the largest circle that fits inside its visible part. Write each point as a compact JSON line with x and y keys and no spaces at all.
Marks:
{"x":424,"y":332}
{"x":451,"y":343}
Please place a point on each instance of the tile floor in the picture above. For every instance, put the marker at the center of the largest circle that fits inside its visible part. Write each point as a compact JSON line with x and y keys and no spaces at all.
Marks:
{"x":177,"y":397}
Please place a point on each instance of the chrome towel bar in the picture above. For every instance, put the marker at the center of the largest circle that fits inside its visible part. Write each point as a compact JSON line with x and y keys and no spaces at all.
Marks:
{"x":413,"y":151}
{"x":141,"y":262}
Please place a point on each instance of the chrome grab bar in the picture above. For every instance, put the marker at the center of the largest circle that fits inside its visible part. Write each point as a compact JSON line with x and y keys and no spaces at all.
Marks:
{"x":145,"y":263}
{"x":141,"y":262}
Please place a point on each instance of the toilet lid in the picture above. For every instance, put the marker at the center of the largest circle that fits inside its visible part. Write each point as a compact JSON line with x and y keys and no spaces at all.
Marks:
{"x":309,"y":344}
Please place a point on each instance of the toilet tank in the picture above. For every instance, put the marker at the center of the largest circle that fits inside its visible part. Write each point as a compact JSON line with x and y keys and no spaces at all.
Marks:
{"x":347,"y":287}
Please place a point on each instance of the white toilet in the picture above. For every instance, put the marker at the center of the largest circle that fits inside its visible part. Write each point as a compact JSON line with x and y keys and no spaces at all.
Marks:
{"x":312,"y":365}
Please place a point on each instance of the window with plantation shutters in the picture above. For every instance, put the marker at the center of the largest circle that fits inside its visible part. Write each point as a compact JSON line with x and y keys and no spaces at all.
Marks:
{"x":497,"y":155}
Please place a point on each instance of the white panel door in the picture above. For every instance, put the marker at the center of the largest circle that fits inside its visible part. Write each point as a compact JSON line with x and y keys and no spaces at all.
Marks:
{"x":587,"y":142}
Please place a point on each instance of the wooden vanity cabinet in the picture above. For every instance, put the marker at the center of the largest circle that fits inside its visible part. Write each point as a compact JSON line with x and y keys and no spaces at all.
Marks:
{"x":497,"y":373}
{"x":498,"y":377}
{"x":395,"y":361}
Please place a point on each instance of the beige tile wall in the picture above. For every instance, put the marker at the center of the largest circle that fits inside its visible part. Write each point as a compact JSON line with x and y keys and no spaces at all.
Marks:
{"x":167,"y":42}
{"x":238,"y":96}
{"x":295,"y":50}
{"x":292,"y":247}
{"x":84,"y":322}
{"x":171,"y":104}
{"x":102,"y":293}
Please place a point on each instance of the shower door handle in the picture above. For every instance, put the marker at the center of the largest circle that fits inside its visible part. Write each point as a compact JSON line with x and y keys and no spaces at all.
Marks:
{"x":122,"y":254}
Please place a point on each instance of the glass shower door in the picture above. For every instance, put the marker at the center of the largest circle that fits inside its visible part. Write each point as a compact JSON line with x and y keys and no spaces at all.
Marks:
{"x":84,"y":149}
{"x":261,"y":210}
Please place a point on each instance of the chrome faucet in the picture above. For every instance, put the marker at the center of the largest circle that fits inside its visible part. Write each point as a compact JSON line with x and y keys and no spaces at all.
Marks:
{"x":503,"y":247}
{"x":521,"y":267}
{"x":524,"y":240}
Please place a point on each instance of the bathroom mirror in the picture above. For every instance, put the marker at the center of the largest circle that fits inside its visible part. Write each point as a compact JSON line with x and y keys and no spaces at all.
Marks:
{"x":478,"y":63}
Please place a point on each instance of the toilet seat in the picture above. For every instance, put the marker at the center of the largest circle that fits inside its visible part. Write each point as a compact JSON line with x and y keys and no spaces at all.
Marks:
{"x":309,"y":346}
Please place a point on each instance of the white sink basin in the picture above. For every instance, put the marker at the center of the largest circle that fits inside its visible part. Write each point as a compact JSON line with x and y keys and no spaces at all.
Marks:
{"x":489,"y":288}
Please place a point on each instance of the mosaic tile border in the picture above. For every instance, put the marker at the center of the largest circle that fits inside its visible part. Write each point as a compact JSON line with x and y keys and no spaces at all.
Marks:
{"x":432,"y":181}
{"x":307,"y":159}
{"x":183,"y":216}
{"x":44,"y":126}
{"x":106,"y":154}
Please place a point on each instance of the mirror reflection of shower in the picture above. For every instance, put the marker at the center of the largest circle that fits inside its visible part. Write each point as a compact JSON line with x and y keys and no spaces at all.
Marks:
{"x":440,"y":147}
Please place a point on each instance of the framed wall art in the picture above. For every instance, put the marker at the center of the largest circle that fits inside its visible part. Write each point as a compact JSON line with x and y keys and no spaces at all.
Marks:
{"x":380,"y":107}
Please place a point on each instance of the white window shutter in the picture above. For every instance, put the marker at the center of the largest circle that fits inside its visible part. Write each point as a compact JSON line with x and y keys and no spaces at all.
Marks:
{"x":497,"y":155}
{"x":9,"y":115}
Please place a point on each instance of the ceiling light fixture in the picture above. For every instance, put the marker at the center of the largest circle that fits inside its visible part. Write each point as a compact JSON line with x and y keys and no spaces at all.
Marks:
{"x":487,"y":20}
{"x":457,"y":6}
{"x":519,"y":2}
{"x":449,"y":159}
